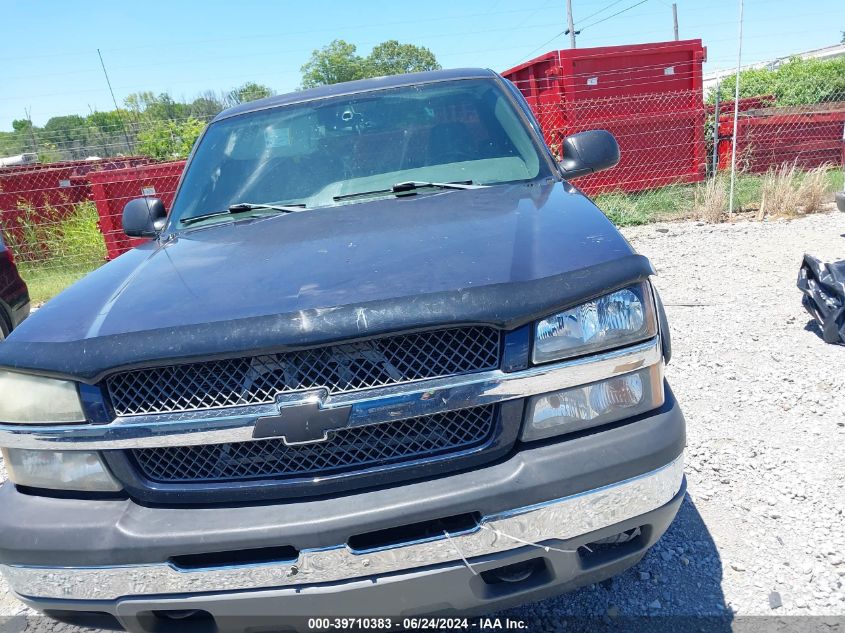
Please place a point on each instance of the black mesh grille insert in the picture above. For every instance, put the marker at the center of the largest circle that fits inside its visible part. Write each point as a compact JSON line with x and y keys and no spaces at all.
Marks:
{"x":338,"y":368}
{"x":348,"y":449}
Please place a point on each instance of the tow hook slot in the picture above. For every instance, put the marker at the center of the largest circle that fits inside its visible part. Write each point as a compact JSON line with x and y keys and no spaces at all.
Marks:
{"x":254,"y":556}
{"x":414,"y":532}
{"x":612,"y":548}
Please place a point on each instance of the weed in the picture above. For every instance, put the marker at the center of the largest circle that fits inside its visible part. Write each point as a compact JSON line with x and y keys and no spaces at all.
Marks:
{"x":779,"y":195}
{"x":814,"y":190}
{"x":55,"y":246}
{"x":711,"y":200}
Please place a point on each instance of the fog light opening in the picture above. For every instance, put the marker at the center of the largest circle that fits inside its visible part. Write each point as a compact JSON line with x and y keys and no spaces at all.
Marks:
{"x":177,"y":621}
{"x":515,"y":573}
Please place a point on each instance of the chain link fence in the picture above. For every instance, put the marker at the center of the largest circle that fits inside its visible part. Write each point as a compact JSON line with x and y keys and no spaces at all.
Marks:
{"x":61,"y":215}
{"x":677,"y":137}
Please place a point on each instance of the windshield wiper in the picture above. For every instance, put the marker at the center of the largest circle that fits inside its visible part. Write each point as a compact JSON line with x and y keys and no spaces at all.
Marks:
{"x":240,"y":207}
{"x":243,"y":207}
{"x":412,"y":185}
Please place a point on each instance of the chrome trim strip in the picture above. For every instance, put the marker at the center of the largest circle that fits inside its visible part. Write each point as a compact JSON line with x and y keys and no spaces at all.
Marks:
{"x":371,"y":406}
{"x":564,"y":519}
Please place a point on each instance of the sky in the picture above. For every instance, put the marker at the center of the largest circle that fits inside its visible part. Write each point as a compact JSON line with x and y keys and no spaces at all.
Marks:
{"x":49,"y":64}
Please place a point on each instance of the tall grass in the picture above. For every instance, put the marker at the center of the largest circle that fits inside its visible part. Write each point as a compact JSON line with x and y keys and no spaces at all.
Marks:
{"x":54,"y":248}
{"x":665,"y":203}
{"x":797,"y":192}
{"x":711,"y":200}
{"x":789,"y":192}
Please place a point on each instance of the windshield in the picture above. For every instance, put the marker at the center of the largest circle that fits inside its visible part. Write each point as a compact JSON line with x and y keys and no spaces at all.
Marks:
{"x":323,"y":152}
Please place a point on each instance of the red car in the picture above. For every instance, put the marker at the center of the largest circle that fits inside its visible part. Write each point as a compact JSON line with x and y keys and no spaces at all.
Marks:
{"x":14,"y":295}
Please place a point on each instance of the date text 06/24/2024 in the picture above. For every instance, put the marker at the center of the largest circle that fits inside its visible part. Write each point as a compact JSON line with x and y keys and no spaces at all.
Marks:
{"x":416,"y":624}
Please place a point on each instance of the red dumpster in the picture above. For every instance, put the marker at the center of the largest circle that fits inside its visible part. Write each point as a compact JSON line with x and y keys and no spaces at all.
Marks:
{"x":46,"y":193}
{"x":807,"y":136}
{"x":648,"y":95}
{"x":111,"y":191}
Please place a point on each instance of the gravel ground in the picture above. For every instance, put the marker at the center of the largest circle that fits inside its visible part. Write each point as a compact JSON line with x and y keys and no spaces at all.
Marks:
{"x":761,"y":530}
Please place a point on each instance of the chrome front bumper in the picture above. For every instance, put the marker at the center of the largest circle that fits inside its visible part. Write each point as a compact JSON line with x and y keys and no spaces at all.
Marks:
{"x":565,"y":518}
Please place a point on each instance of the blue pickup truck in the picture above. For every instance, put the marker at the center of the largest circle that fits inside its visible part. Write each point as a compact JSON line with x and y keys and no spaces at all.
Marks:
{"x":380,"y":359}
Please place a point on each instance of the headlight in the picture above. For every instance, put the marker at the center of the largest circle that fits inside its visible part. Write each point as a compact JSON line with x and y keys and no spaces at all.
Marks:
{"x":594,"y":404}
{"x":619,"y":318}
{"x":59,"y":470}
{"x":26,"y":399}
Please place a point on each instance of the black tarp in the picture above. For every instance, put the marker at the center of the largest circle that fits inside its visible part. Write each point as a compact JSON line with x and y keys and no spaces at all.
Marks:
{"x":823,"y":286}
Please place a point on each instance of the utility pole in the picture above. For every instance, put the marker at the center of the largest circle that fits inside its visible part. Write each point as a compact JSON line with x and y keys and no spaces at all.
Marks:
{"x":32,"y":140}
{"x":571,"y":24}
{"x":114,"y":101}
{"x":734,"y":139}
{"x":675,"y":19}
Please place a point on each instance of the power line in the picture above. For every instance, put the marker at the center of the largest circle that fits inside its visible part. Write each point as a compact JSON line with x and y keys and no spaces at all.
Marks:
{"x":594,"y":14}
{"x":543,"y":45}
{"x":125,"y":133}
{"x":613,"y":15}
{"x":564,"y":32}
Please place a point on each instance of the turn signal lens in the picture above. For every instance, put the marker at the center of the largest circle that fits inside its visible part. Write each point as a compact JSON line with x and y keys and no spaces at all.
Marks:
{"x":594,"y":404}
{"x":59,"y":470}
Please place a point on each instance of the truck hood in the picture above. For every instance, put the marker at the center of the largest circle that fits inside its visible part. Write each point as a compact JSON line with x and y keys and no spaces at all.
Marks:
{"x":333,"y":273}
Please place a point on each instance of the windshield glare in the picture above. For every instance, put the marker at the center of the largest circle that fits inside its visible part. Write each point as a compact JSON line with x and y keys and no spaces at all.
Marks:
{"x":311,"y":153}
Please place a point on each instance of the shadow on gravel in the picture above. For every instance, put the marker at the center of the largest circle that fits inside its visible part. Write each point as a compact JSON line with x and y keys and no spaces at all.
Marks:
{"x":677,"y":586}
{"x":813,"y":326}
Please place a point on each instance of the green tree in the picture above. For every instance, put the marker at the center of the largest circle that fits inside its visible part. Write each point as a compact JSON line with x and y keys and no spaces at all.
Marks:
{"x":22,"y":126}
{"x":107,"y":123}
{"x":109,"y":130}
{"x":169,"y":140}
{"x":21,"y":139}
{"x":797,"y":82}
{"x":393,"y":58}
{"x":69,"y":134}
{"x":206,"y":106}
{"x":137,"y":101}
{"x":11,"y":143}
{"x":250,"y":91}
{"x":149,"y":106}
{"x":334,"y":63}
{"x":339,"y":61}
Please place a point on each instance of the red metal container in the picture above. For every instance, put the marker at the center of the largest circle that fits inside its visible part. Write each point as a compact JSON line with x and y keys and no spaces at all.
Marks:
{"x":656,"y":150}
{"x":807,"y":136}
{"x":649,"y":95}
{"x":46,"y":193}
{"x":113,"y":189}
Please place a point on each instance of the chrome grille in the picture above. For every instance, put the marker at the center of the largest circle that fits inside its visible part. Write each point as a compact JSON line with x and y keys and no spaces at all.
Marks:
{"x":338,"y":368}
{"x":351,"y":448}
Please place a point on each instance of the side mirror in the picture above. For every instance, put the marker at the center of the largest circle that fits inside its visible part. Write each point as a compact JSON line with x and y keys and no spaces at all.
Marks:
{"x":588,"y":152}
{"x":144,"y":217}
{"x":840,"y":200}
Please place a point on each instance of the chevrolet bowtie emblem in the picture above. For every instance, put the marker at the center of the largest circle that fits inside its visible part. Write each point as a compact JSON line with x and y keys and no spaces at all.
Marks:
{"x":302,"y":423}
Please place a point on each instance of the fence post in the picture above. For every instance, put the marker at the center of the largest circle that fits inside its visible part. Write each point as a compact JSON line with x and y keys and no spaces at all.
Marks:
{"x":736,"y":113}
{"x":714,"y":170}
